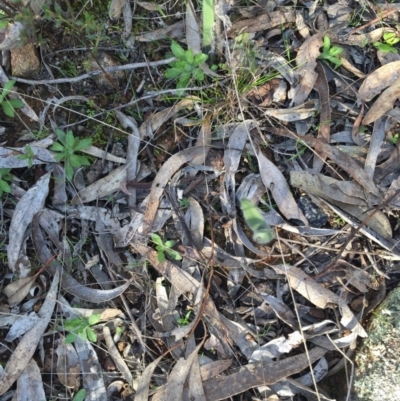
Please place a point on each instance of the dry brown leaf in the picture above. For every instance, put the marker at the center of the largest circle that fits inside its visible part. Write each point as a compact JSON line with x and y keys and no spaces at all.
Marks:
{"x":68,"y":366}
{"x":167,"y":170}
{"x":378,"y":80}
{"x":18,"y":290}
{"x":306,"y":61}
{"x":265,"y":21}
{"x":385,"y":101}
{"x":274,"y":180}
{"x":25,"y":349}
{"x":258,"y":374}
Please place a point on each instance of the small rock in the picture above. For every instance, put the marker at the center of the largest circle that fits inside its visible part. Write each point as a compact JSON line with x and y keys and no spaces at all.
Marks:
{"x":25,"y":61}
{"x":103,"y":81}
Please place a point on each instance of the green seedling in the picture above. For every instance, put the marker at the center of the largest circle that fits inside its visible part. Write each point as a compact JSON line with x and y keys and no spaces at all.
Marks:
{"x":4,"y":177}
{"x":163,"y":248}
{"x":81,"y":327}
{"x":80,"y":395}
{"x":184,"y":321}
{"x":330,"y":53}
{"x":9,"y":105}
{"x":184,"y":202}
{"x":262,"y":232}
{"x":29,"y":155}
{"x":390,"y":39}
{"x":66,"y":148}
{"x":186,"y":67}
{"x":394,"y":140}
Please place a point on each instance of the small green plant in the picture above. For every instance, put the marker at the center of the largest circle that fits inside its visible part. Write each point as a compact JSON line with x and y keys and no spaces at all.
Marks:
{"x":394,"y":140}
{"x":301,"y":147}
{"x":29,"y":155}
{"x":262,"y":232}
{"x":184,"y":202}
{"x":66,"y":148}
{"x":9,"y":105}
{"x":390,"y":39}
{"x":184,"y":321}
{"x":163,"y":248}
{"x":186,"y":67}
{"x":80,"y":326}
{"x":330,"y":53}
{"x":4,"y":177}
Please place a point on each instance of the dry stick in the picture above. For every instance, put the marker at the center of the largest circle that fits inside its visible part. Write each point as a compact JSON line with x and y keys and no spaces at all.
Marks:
{"x":94,"y":73}
{"x":354,"y":231}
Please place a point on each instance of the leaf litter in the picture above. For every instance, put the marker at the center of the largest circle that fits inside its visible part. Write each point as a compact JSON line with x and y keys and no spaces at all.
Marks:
{"x":264,"y":299}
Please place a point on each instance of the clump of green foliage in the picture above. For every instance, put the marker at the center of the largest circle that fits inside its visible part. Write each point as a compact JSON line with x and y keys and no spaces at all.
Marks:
{"x":80,"y":326}
{"x":4,"y":177}
{"x":390,"y":39}
{"x":9,"y":105}
{"x":186,"y":67}
{"x":330,"y":53}
{"x":163,"y":248}
{"x":66,"y":148}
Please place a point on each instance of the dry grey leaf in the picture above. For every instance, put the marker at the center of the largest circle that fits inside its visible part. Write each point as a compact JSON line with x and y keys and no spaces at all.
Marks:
{"x":12,"y":36}
{"x":274,"y":180}
{"x":92,"y":373}
{"x":25,"y":349}
{"x":31,"y":203}
{"x":150,"y":6}
{"x":142,"y":391}
{"x":68,"y":366}
{"x":115,"y":9}
{"x":116,"y":356}
{"x":193,"y":39}
{"x":29,"y":384}
{"x":21,"y":326}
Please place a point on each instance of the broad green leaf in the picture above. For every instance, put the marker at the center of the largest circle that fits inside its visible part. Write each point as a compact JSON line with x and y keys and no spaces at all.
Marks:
{"x":57,"y":147}
{"x":80,"y":395}
{"x":92,"y":336}
{"x":5,"y":187}
{"x":156,"y":239}
{"x":160,"y":256}
{"x":59,"y":156}
{"x":174,"y":254}
{"x":327,"y":43}
{"x":169,"y":244}
{"x":83,"y":144}
{"x":16,"y":103}
{"x":262,"y":233}
{"x":189,"y":56}
{"x":180,"y":64}
{"x":172,"y":73}
{"x":177,"y":50}
{"x":94,"y":319}
{"x":69,"y":171}
{"x":8,"y":86}
{"x":8,"y":109}
{"x":335,"y":50}
{"x":78,"y":161}
{"x":61,"y":136}
{"x":199,"y":59}
{"x":184,"y":80}
{"x":198,"y":75}
{"x":70,"y":140}
{"x":83,"y":335}
{"x":70,"y":338}
{"x":75,"y":324}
